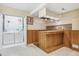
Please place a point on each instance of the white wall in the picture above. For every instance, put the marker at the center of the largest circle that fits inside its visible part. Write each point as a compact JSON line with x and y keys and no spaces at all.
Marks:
{"x":51,"y":13}
{"x":12,"y":11}
{"x":38,"y":24}
{"x":71,"y":17}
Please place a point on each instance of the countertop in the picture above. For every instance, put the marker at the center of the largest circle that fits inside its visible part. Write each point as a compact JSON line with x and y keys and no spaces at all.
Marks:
{"x":53,"y":31}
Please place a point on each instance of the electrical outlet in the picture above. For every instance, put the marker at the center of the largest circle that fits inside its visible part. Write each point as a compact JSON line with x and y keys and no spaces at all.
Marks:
{"x":75,"y":46}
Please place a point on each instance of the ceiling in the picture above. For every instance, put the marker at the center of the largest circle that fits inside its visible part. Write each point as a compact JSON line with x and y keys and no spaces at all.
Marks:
{"x":22,"y":6}
{"x":56,"y":7}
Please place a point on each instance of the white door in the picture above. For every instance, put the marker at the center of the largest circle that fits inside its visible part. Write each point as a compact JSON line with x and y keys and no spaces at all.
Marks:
{"x":1,"y":29}
{"x":13,"y":30}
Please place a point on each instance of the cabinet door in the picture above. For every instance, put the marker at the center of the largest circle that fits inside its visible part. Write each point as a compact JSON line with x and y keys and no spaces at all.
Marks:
{"x":67,"y":38}
{"x":35,"y":35}
{"x":32,"y":36}
{"x":29,"y":36}
{"x":59,"y":38}
{"x":75,"y":37}
{"x":54,"y":39}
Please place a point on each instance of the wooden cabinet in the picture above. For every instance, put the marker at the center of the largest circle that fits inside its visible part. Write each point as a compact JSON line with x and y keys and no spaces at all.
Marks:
{"x":75,"y":37}
{"x":50,"y":40}
{"x":67,"y":38}
{"x":29,"y":36}
{"x":32,"y":36}
{"x":54,"y":39}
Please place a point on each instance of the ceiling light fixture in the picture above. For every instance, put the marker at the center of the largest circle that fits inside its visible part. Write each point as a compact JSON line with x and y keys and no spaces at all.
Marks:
{"x":61,"y":14}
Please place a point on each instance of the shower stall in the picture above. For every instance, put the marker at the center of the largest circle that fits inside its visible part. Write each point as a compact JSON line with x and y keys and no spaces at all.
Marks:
{"x":12,"y":30}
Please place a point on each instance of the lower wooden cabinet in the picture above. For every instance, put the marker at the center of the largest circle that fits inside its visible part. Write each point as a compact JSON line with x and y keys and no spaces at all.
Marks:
{"x":75,"y":40}
{"x":67,"y":38}
{"x":75,"y":37}
{"x":29,"y":36}
{"x":32,"y":36}
{"x":45,"y":40}
{"x":50,"y":41}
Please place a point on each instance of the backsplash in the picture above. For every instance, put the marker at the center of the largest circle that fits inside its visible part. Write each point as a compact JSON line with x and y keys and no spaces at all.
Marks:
{"x":60,"y":27}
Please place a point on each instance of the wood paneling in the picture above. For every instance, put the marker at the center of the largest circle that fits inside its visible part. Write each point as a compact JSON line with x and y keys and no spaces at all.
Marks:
{"x":67,"y":38}
{"x":71,"y":37}
{"x":75,"y":37}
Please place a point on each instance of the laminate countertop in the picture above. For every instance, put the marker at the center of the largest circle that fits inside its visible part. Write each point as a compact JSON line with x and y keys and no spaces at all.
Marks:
{"x":53,"y":31}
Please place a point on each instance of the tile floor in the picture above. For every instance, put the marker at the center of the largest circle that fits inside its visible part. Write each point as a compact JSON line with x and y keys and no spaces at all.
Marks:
{"x":32,"y":50}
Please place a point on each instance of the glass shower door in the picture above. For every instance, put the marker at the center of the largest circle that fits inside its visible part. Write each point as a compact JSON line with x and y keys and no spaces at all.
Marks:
{"x":12,"y":30}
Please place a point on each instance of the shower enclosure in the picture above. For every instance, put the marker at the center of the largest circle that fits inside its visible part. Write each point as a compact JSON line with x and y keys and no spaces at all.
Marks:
{"x":12,"y":30}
